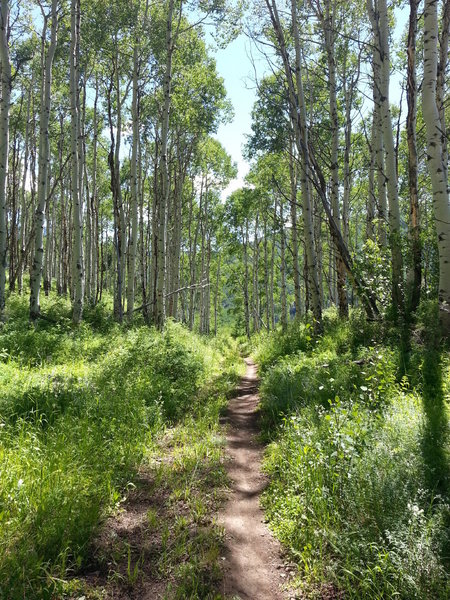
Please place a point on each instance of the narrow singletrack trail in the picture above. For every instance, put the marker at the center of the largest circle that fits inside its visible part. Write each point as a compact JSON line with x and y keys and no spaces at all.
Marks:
{"x":253,"y":566}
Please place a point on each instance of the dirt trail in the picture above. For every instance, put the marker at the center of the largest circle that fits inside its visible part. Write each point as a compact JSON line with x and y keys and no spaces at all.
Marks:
{"x":253,"y":567}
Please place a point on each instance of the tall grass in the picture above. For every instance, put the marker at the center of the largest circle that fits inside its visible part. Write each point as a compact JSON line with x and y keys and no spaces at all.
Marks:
{"x":359,"y":458}
{"x":78,"y":410}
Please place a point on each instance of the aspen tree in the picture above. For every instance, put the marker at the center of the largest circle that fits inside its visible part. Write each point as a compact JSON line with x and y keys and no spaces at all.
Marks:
{"x":297,"y":109}
{"x":76,"y":166}
{"x":245,"y":243}
{"x":415,"y":271}
{"x":163,"y":176}
{"x":44,"y":155}
{"x":4,"y":142}
{"x":272,"y":264}
{"x":93,"y":249}
{"x":255,"y":267}
{"x":441,"y":79}
{"x":328,"y":23}
{"x":266,"y":268}
{"x":350,"y":77}
{"x":115,"y":132}
{"x":13,"y":184}
{"x":284,"y":317}
{"x":217,"y":295}
{"x":294,"y":231}
{"x":378,"y":15}
{"x":132,"y":248}
{"x":23,"y":204}
{"x":435,"y":155}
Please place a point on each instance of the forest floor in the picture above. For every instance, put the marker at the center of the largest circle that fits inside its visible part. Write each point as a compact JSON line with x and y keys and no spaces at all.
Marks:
{"x":193,"y":540}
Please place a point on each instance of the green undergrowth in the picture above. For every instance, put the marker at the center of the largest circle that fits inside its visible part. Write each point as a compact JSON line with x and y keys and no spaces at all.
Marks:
{"x":357,"y":421}
{"x":80,"y":408}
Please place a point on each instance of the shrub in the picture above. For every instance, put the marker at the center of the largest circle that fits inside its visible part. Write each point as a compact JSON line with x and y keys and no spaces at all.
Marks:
{"x":358,"y":460}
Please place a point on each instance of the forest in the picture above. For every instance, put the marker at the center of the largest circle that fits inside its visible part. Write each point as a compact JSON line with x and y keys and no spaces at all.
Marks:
{"x":183,"y":347}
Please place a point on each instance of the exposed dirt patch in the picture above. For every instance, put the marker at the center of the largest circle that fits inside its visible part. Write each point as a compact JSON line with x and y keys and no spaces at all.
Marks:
{"x":125,"y":553}
{"x":254,"y":569}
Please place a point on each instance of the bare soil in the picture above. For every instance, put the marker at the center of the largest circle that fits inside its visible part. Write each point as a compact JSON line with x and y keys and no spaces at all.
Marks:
{"x":254,"y":569}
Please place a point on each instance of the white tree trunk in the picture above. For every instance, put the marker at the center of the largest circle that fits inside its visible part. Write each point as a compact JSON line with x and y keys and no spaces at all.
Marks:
{"x":284,"y":317}
{"x":44,"y":159}
{"x":255,"y":298}
{"x":378,"y":15}
{"x":132,"y":249}
{"x":441,"y":78}
{"x":329,"y":34}
{"x":4,"y":142}
{"x":414,"y":276}
{"x":298,"y":119}
{"x":76,"y":178}
{"x":437,"y":168}
{"x":163,"y":174}
{"x":23,"y":204}
{"x":294,"y":232}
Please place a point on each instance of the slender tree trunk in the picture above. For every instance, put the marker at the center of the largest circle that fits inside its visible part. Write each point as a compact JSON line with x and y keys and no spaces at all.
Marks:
{"x":348,"y":88}
{"x":4,"y":143}
{"x":120,"y":243}
{"x":284,"y":317}
{"x":415,"y":269}
{"x":217,"y":295}
{"x":132,"y":249}
{"x":371,"y":199}
{"x":294,"y":233}
{"x":94,"y":205}
{"x":298,"y":110}
{"x":142,"y":235}
{"x":193,"y":255}
{"x":266,"y":272}
{"x":272,"y":265}
{"x":44,"y":160}
{"x":204,"y":225}
{"x":47,"y":250}
{"x":437,"y":169}
{"x":163,"y":174}
{"x":13,"y":185}
{"x":377,"y":144}
{"x":256,"y":315}
{"x":298,"y":119}
{"x":23,"y":204}
{"x":379,"y":18}
{"x":245,"y":239}
{"x":329,"y":32}
{"x":441,"y":91}
{"x":76,"y":167}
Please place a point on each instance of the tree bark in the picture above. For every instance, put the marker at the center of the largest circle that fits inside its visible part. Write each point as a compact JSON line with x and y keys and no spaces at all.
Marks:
{"x":294,"y":233}
{"x":44,"y":159}
{"x":4,"y":143}
{"x":132,"y":249}
{"x":76,"y":166}
{"x":297,"y":110}
{"x":435,"y":155}
{"x":378,"y":15}
{"x":163,"y":175}
{"x":328,"y":24}
{"x":414,"y":278}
